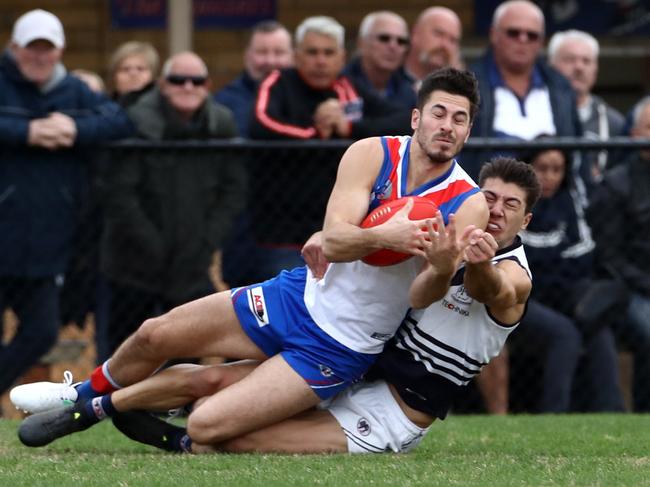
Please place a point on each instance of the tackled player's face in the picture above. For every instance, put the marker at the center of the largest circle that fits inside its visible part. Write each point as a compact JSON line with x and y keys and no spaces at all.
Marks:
{"x":507,"y":204}
{"x":442,"y":127}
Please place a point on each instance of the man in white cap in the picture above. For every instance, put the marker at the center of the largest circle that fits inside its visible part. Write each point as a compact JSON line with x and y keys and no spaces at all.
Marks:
{"x":47,"y":119}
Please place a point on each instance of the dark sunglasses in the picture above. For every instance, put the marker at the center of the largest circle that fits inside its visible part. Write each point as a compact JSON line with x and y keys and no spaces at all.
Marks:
{"x":386,"y":38}
{"x":180,"y":80}
{"x":531,"y":35}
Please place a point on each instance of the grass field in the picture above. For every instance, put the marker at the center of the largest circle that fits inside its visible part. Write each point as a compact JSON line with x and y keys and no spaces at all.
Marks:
{"x":593,"y":450}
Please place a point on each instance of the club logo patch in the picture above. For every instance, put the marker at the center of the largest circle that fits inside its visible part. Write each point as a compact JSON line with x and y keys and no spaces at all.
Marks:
{"x":363,"y":427}
{"x":461,"y":296}
{"x":325,"y":370}
{"x":258,"y":305}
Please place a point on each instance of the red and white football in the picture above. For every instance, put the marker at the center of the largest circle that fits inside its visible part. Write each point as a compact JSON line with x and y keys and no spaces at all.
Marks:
{"x":422,"y":208}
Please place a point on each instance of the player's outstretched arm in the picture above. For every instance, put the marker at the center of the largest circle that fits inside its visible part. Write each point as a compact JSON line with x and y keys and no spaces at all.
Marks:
{"x":432,"y":284}
{"x":443,"y":250}
{"x":503,"y":287}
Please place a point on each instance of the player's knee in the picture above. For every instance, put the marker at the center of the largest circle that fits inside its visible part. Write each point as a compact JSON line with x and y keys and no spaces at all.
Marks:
{"x":203,"y":430}
{"x":151,"y":335}
{"x":205,"y":381}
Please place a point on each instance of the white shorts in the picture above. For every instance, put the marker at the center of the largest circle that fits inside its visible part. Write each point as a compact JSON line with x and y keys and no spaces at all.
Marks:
{"x":372,"y":420}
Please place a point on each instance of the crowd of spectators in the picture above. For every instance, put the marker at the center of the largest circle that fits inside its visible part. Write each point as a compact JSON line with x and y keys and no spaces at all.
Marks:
{"x":132,"y":236}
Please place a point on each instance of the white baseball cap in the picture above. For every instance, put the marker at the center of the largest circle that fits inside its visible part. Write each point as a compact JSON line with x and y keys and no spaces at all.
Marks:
{"x":38,"y":24}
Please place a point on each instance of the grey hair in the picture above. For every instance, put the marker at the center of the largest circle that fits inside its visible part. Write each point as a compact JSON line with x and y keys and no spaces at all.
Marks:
{"x":638,"y":108}
{"x":560,"y":38}
{"x":323,"y":25}
{"x":501,"y":10}
{"x":369,"y":20}
{"x":167,"y":67}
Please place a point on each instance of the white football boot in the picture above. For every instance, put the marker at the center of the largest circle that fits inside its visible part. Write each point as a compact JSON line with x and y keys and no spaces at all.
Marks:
{"x":44,"y":396}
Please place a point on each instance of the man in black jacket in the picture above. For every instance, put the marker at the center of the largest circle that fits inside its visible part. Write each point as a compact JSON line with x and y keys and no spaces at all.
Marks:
{"x":167,"y":215}
{"x":619,"y":214}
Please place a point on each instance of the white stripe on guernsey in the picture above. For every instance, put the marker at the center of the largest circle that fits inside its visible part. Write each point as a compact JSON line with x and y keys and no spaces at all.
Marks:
{"x":457,"y":174}
{"x":327,"y":387}
{"x":426,"y":359}
{"x":108,"y":375}
{"x":402,"y":149}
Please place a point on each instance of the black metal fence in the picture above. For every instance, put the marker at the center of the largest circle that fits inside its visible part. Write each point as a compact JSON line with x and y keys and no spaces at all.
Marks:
{"x":286,"y":192}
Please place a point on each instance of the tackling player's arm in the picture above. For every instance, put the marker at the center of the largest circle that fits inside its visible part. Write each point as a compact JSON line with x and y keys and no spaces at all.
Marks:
{"x":444,"y":250}
{"x":343,"y":239}
{"x":503,"y":287}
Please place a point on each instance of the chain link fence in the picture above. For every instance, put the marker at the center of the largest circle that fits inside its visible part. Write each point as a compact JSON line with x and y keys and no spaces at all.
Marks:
{"x":284,"y":199}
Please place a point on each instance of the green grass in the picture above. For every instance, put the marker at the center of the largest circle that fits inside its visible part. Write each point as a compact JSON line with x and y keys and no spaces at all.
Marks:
{"x":590,"y":450}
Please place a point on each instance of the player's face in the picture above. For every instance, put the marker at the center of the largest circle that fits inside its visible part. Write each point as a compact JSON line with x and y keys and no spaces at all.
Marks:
{"x":576,"y":60}
{"x":268,"y":51}
{"x":507,"y":204}
{"x":319,"y":60}
{"x":550,"y":168}
{"x":442,"y":127}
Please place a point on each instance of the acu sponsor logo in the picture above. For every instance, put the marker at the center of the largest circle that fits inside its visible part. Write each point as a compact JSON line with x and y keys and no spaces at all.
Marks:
{"x":258,"y":305}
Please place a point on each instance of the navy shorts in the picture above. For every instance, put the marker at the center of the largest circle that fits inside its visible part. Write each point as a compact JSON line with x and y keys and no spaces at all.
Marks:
{"x":273,"y":314}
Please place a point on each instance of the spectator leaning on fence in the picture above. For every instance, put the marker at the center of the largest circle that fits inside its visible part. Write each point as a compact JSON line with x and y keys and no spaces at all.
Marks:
{"x":269,"y":48}
{"x":521,"y":96}
{"x":48,"y":121}
{"x":574,"y":53}
{"x":382,"y":44}
{"x":620,"y":217}
{"x":168,"y":213}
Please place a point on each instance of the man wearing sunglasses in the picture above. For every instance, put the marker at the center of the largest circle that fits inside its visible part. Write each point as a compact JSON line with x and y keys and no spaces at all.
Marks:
{"x":521,"y":96}
{"x":382,"y":43}
{"x":167,"y":215}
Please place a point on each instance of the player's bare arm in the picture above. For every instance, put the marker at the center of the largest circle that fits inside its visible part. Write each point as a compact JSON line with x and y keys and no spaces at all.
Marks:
{"x":343,"y":239}
{"x":503,"y":287}
{"x":443,"y":250}
{"x":433,"y":282}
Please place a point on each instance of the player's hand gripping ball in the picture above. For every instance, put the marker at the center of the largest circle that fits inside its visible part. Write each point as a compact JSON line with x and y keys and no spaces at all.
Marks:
{"x":422,"y":208}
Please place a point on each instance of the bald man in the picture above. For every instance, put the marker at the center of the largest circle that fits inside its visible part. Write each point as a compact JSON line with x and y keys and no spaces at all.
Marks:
{"x":435,"y":42}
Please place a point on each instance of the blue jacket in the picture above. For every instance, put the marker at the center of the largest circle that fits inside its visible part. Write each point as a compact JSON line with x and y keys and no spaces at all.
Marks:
{"x":563,"y":106}
{"x":40,"y":190}
{"x":239,"y":96}
{"x":400,"y":87}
